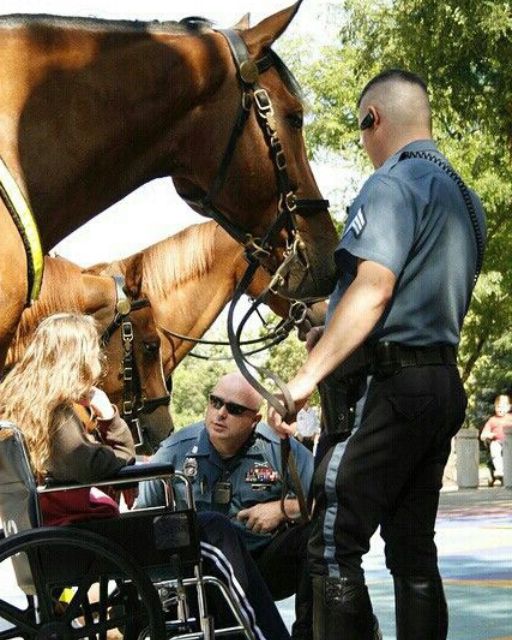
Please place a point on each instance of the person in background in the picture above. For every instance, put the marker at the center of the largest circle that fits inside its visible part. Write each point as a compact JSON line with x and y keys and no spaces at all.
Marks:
{"x":234,"y":463}
{"x":493,"y":433}
{"x":407,"y":262}
{"x":73,"y":433}
{"x":308,"y":425}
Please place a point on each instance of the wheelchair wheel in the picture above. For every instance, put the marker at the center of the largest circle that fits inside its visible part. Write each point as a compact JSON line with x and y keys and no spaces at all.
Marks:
{"x":77,"y":585}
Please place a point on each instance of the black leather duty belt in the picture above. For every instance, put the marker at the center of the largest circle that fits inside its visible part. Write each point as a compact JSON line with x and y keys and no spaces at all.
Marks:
{"x":387,"y":358}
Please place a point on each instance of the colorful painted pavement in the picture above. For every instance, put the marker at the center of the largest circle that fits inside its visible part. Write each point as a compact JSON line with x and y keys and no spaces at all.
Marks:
{"x":474,"y":538}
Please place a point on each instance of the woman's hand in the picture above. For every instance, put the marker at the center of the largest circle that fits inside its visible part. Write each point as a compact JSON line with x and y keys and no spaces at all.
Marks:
{"x":101,"y":405}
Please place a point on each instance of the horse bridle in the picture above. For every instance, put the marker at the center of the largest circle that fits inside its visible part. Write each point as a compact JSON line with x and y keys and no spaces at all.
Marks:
{"x":135,"y":403}
{"x":289,"y":206}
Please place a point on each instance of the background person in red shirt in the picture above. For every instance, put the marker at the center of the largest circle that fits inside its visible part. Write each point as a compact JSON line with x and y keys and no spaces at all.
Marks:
{"x":494,"y":433}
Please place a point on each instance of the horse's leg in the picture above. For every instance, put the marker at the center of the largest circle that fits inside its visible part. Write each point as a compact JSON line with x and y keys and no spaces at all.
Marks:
{"x":13,"y":281}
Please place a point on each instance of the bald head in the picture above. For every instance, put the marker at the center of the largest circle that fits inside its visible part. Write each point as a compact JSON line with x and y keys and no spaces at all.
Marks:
{"x":401,"y":97}
{"x":236,"y":388}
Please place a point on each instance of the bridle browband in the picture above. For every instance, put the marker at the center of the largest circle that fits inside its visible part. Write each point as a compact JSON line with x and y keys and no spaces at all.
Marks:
{"x":289,"y":206}
{"x":134,"y":401}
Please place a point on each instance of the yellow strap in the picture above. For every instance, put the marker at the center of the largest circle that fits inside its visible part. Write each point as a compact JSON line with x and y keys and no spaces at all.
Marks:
{"x":19,"y":207}
{"x":67,"y":594}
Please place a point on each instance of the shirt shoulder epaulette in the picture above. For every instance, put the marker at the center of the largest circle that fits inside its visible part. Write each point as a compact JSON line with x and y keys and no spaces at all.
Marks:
{"x":183,"y":435}
{"x":264,"y":431}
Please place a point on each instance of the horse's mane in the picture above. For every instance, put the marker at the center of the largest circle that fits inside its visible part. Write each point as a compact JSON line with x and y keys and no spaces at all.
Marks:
{"x":184,"y":26}
{"x":188,"y":254}
{"x":61,"y":291}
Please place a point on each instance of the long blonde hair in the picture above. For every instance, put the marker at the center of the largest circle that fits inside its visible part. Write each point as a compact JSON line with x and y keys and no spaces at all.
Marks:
{"x":59,"y":367}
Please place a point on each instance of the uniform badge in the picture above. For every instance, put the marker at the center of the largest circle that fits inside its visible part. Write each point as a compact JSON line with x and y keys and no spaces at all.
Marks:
{"x":357,"y":224}
{"x":261,"y":476}
{"x":190,"y":467}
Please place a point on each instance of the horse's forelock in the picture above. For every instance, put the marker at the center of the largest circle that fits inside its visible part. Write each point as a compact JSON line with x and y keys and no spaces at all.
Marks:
{"x":290,"y":81}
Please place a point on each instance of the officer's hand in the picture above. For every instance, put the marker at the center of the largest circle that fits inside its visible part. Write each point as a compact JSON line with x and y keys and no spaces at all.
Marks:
{"x":263,"y":517}
{"x":300,"y":389}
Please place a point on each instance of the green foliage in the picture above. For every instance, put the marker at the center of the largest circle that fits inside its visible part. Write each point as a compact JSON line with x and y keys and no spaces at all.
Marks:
{"x":462,"y":48}
{"x":192,"y":382}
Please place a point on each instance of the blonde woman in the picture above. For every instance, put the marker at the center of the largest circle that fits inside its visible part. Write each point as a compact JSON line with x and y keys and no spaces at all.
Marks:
{"x":72,"y":431}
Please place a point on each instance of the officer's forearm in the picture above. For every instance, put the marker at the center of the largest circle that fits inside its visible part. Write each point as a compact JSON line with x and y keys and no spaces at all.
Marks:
{"x":353,"y":320}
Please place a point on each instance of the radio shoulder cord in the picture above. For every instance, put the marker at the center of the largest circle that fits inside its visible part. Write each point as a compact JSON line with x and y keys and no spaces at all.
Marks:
{"x":450,"y":171}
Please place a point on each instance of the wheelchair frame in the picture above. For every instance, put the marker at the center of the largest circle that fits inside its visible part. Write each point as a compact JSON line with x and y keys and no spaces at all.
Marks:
{"x":87,"y":543}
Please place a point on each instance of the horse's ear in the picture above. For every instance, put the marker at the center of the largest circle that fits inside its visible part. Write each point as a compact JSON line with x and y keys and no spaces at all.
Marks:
{"x":243,"y":23}
{"x":133,"y":276}
{"x":266,"y":32}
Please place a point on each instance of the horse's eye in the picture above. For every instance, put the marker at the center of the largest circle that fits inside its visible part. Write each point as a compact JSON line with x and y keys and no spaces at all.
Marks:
{"x":296,"y":120}
{"x":150,"y":347}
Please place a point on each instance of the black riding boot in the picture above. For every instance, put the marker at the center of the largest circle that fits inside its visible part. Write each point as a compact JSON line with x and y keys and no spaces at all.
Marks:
{"x":421,"y":611}
{"x":342,"y":610}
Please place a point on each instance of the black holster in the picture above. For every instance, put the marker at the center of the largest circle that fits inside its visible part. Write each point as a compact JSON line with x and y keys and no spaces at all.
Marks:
{"x":338,"y":396}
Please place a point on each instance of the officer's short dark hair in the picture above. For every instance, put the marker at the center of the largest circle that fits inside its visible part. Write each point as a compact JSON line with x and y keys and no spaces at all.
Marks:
{"x":393,"y":74}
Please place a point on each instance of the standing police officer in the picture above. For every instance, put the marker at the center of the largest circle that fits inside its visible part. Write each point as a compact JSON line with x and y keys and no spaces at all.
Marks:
{"x":407,"y":262}
{"x":234,"y":464}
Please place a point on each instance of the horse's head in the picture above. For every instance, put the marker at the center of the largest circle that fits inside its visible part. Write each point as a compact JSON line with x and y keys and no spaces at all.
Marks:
{"x":254,"y":176}
{"x":134,"y":377}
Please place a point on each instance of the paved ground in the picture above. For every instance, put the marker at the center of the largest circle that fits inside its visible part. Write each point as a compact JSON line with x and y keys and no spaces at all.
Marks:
{"x":474,"y":537}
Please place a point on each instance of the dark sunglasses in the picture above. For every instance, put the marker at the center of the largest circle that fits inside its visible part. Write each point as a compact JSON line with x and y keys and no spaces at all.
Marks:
{"x":367,"y":121}
{"x":232,"y":408}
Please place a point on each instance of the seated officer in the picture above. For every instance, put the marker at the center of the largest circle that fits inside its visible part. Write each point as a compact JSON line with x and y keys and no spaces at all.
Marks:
{"x":234,"y":464}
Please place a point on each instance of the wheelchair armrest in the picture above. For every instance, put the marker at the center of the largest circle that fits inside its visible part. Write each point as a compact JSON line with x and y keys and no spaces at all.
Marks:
{"x":136,"y":472}
{"x":129,"y":474}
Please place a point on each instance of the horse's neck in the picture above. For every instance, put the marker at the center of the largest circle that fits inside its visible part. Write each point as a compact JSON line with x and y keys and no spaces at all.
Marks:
{"x":95,"y":114}
{"x":64,"y":289}
{"x":190,"y":309}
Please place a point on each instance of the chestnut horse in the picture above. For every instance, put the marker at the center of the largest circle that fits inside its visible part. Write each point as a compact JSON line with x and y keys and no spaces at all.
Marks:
{"x":134,"y":378}
{"x":92,"y":109}
{"x":188,"y":279}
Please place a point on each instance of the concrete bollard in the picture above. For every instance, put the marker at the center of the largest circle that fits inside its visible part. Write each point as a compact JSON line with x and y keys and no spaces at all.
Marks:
{"x":507,"y":458}
{"x":467,"y":458}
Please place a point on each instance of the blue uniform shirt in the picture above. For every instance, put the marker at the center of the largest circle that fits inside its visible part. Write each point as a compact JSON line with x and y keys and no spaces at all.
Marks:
{"x":411,"y":218}
{"x":254,"y":474}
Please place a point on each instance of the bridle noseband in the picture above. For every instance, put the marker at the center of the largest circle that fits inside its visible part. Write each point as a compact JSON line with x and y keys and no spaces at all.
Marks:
{"x":289,"y":206}
{"x":134,"y":401}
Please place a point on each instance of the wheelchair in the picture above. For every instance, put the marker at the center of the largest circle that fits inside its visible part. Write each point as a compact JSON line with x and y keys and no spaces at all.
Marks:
{"x":135,"y":576}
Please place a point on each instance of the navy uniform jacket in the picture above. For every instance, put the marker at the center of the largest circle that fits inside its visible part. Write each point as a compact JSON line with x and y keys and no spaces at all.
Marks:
{"x":252,"y":476}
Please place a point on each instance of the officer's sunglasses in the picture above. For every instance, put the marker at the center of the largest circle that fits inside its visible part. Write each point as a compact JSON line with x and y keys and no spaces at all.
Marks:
{"x":233,"y":408}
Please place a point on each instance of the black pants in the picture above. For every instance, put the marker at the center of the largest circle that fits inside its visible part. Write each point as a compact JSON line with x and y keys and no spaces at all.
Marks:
{"x":388,"y":472}
{"x":283,"y":565}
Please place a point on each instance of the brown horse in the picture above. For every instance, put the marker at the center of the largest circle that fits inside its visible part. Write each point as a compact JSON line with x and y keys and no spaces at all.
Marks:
{"x":92,"y":109}
{"x":66,"y":288}
{"x":188,"y":279}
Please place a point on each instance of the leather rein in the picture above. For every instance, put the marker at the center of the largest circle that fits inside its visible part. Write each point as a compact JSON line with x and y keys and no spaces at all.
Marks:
{"x":135,"y":403}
